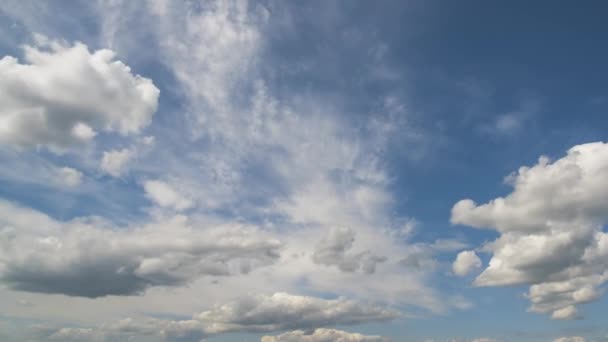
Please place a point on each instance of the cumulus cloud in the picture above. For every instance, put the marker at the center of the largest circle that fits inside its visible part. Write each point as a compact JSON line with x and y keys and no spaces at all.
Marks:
{"x":282,"y":311}
{"x":164,"y":195}
{"x":323,"y":335}
{"x":334,"y":248}
{"x":570,"y":339}
{"x":90,"y":258}
{"x":69,"y":177}
{"x":568,"y":312}
{"x":62,"y":96}
{"x":114,"y":162}
{"x":465,"y":263}
{"x":551,"y":230}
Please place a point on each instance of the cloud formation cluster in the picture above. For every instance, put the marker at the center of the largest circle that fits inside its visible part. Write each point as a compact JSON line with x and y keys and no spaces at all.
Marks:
{"x":551,"y":230}
{"x":62,"y":96}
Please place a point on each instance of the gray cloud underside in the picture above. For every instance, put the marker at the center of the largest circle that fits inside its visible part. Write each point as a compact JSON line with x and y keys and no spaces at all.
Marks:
{"x":91,"y":259}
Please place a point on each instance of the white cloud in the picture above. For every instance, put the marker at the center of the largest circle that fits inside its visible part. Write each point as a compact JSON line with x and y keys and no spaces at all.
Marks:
{"x":568,"y":312}
{"x":334,"y":248}
{"x":465,"y":263}
{"x":323,"y":335}
{"x":69,"y":177}
{"x":246,"y":314}
{"x":551,"y":230}
{"x":201,"y":53}
{"x":164,"y":195}
{"x":560,"y":296}
{"x":282,"y":311}
{"x":129,"y":329}
{"x":570,"y":339}
{"x":65,"y":94}
{"x":114,"y":162}
{"x":91,"y":258}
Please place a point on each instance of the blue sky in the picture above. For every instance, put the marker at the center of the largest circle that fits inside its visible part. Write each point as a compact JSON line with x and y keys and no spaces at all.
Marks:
{"x":245,"y":170}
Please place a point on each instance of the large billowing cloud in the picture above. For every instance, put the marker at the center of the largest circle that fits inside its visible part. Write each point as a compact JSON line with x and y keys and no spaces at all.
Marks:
{"x":323,"y":335}
{"x":62,"y":96}
{"x":551,"y":230}
{"x":91,"y":258}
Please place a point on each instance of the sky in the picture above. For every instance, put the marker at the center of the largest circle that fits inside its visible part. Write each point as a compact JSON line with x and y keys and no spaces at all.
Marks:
{"x":275,"y":171}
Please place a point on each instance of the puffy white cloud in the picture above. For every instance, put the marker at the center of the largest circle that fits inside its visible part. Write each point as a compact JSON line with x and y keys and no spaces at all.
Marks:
{"x":465,"y":263}
{"x":334,"y":248}
{"x":69,"y":176}
{"x":63,"y":95}
{"x":282,"y":311}
{"x":568,"y":312}
{"x":114,"y":162}
{"x":323,"y":335}
{"x":551,"y":230}
{"x":560,"y":296}
{"x":570,"y":339}
{"x":164,"y":195}
{"x":90,"y":258}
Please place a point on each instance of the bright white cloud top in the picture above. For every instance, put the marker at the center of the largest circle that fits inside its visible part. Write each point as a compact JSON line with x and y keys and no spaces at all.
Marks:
{"x":550,"y":230}
{"x":465,"y":263}
{"x":63,"y":95}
